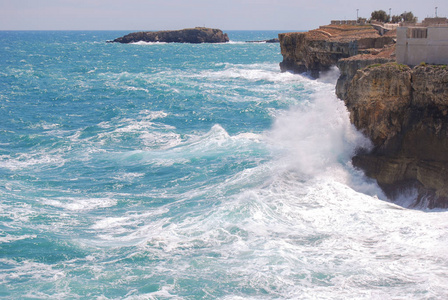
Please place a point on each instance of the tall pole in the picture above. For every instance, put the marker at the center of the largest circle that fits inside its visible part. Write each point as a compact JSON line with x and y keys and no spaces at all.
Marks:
{"x":357,"y":10}
{"x":436,"y":11}
{"x":390,"y":16}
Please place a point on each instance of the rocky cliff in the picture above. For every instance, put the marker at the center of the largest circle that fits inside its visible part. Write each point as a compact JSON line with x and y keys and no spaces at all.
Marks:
{"x":317,"y":50}
{"x":404,"y":112}
{"x":349,"y":66}
{"x":192,"y":35}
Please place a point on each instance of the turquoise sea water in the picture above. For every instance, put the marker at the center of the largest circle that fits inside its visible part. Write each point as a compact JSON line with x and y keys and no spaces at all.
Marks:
{"x":178,"y":171}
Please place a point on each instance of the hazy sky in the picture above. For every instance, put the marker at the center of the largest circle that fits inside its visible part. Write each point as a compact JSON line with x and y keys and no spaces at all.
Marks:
{"x":177,"y":14}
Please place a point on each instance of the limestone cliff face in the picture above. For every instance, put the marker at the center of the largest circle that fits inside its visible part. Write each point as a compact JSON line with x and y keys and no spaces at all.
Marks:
{"x":192,"y":35}
{"x":405,"y":113}
{"x":318,"y":50}
{"x":349,"y":67}
{"x":301,"y":54}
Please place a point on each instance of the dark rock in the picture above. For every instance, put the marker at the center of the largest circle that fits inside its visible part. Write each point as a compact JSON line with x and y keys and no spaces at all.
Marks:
{"x":276,"y":40}
{"x":192,"y":35}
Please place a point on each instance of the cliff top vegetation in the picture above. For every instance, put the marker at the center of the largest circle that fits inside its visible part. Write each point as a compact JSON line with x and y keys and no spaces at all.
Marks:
{"x":382,"y":16}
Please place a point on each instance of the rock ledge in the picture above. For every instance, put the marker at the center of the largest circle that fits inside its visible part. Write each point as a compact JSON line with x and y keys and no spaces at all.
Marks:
{"x":319,"y":49}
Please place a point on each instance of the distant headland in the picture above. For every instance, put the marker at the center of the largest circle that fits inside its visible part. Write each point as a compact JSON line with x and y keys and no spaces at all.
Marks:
{"x":195,"y":35}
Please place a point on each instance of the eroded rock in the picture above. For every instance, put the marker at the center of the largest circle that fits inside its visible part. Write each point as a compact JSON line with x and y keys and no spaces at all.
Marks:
{"x":404,"y":112}
{"x":318,"y":50}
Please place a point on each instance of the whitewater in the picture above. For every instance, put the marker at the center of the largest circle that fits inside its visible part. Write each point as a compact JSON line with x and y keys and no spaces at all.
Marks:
{"x":179,"y":171}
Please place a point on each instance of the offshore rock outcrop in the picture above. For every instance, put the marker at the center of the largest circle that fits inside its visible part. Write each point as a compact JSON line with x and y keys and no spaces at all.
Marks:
{"x":318,"y":50}
{"x":275,"y":40}
{"x":191,"y":35}
{"x":404,"y":112}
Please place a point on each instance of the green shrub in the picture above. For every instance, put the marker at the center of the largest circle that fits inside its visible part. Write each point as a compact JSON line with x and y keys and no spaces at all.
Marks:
{"x":401,"y":67}
{"x":373,"y":66}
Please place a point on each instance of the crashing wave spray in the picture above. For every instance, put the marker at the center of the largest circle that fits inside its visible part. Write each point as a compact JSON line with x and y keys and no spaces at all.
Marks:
{"x":317,"y":138}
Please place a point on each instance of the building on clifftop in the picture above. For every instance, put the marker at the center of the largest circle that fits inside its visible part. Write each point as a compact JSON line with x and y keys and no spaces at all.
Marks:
{"x":426,"y":42}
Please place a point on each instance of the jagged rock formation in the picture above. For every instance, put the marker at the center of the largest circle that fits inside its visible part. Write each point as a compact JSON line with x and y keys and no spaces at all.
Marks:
{"x":317,"y":50}
{"x":191,"y":35}
{"x":404,"y":112}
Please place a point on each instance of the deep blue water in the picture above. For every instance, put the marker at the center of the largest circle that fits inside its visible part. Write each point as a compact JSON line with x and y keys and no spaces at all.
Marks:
{"x":157,"y":171}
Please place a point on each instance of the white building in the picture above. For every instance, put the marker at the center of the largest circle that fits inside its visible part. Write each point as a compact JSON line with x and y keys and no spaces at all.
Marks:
{"x":422,"y":44}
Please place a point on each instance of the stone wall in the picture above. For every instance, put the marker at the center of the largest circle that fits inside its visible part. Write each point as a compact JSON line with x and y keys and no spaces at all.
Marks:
{"x":344,"y":22}
{"x":434,"y":21}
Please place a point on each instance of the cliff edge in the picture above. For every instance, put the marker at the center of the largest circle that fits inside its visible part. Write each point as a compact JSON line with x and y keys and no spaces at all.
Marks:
{"x":191,"y":35}
{"x":404,"y":112}
{"x":317,"y":50}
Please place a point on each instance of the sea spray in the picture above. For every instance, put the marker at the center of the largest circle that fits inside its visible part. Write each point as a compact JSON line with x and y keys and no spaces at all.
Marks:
{"x":317,"y":139}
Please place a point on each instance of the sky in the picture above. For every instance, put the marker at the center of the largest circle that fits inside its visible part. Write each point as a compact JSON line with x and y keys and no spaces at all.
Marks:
{"x":177,"y":14}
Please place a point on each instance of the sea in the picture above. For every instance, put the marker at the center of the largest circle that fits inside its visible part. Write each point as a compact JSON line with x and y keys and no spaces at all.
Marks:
{"x":193,"y":171}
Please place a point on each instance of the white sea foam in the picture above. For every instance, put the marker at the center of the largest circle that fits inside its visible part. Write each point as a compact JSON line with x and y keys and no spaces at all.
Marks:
{"x":168,"y":148}
{"x":12,"y":238}
{"x":143,"y":43}
{"x":153,"y":115}
{"x":130,"y":229}
{"x":326,"y":233}
{"x":153,"y":134}
{"x":80,"y":204}
{"x":255,"y":72}
{"x":127,"y":176}
{"x":161,"y":140}
{"x":26,"y":160}
{"x":298,"y":239}
{"x":30,"y":269}
{"x":44,"y":125}
{"x":133,"y":88}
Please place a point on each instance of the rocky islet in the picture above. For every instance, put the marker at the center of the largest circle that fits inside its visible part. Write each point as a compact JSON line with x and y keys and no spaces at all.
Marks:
{"x":195,"y":35}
